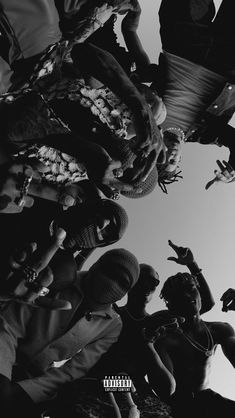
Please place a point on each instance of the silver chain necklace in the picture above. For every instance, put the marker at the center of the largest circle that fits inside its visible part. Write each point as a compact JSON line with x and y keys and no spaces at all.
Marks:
{"x":209,"y":350}
{"x":132,"y":317}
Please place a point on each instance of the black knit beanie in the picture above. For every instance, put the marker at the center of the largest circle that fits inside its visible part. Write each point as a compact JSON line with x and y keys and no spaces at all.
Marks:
{"x":146,"y":186}
{"x":80,"y":223}
{"x":112,"y":276}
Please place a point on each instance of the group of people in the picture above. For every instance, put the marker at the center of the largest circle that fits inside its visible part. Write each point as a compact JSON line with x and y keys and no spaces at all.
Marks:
{"x":85,"y":120}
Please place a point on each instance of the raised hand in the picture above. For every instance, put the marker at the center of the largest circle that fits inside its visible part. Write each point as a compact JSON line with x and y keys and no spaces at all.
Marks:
{"x":225,"y":174}
{"x":228,"y":299}
{"x":29,"y":275}
{"x":184,"y":254}
{"x":160,"y":324}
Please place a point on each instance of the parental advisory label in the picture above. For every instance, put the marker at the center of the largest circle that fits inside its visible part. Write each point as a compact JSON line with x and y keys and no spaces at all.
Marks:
{"x":117,"y":383}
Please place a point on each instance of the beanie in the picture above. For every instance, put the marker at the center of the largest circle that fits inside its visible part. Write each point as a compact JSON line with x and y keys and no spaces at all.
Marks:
{"x":146,"y":186}
{"x":80,"y":223}
{"x":112,"y":276}
{"x":118,"y":213}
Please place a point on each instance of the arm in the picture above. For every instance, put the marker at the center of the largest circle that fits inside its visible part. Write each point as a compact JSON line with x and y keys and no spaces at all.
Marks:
{"x":227,"y":341}
{"x":130,"y":25}
{"x":45,"y":387}
{"x":103,"y":66}
{"x":186,"y":258}
{"x":159,"y":372}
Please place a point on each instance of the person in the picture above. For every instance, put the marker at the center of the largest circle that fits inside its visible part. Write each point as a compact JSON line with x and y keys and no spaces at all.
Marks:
{"x":55,"y":348}
{"x":196,"y":78}
{"x":188,"y":355}
{"x":91,"y":224}
{"x":137,"y":106}
{"x":185,"y":257}
{"x":22,"y":183}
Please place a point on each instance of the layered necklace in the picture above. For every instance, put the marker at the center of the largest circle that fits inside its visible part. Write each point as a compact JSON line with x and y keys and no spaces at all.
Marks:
{"x":209,"y":350}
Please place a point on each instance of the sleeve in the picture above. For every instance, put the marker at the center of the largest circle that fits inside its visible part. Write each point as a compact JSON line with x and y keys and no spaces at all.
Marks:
{"x":44,"y":387}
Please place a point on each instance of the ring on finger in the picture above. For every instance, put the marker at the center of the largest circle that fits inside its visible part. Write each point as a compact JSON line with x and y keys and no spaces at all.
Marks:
{"x":37,"y":288}
{"x":30,"y":274}
{"x":20,"y":201}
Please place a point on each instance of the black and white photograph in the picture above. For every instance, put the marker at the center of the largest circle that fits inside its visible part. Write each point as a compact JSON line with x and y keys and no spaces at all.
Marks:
{"x":117,"y":282}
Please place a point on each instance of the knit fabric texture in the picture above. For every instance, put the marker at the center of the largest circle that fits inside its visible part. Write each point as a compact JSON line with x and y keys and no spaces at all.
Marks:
{"x":112,"y":276}
{"x":146,"y":186}
{"x":80,"y":223}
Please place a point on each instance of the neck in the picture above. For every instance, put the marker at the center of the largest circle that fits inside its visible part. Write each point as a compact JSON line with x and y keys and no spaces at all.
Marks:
{"x":192,"y":322}
{"x":136,"y":311}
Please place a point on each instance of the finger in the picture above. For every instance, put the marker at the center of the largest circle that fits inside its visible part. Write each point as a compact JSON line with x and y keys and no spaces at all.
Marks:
{"x":220,"y":164}
{"x":53,"y":304}
{"x":230,"y":292}
{"x":172,"y":245}
{"x":228,"y":166}
{"x":210,"y":183}
{"x":36,"y":288}
{"x":173,"y":259}
{"x":43,"y":257}
{"x":119,"y":185}
{"x":151,"y":163}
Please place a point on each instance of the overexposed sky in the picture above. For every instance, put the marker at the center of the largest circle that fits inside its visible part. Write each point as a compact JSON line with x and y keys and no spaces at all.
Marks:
{"x":189,"y":216}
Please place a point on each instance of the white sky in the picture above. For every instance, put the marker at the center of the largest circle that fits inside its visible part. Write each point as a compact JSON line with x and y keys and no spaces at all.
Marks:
{"x":189,"y":216}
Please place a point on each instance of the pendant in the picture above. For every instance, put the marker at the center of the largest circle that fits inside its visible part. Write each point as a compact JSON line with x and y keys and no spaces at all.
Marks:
{"x":208,"y":353}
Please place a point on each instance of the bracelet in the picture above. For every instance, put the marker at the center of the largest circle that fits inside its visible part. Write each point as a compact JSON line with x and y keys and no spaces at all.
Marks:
{"x":197,"y":272}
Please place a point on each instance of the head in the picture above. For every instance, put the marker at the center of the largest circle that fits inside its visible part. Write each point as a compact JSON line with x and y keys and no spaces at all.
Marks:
{"x":111,"y":277}
{"x":155,"y":102}
{"x":173,"y":140}
{"x":181,"y":295}
{"x":142,"y":293}
{"x":142,"y":188}
{"x":93,"y":224}
{"x":168,"y":172}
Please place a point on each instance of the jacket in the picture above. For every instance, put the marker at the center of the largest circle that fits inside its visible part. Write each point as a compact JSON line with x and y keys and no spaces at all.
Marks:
{"x":52,"y":351}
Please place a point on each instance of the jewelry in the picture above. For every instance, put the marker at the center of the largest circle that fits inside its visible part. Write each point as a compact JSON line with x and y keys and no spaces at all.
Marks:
{"x":209,"y":350}
{"x":178,"y":131}
{"x":132,"y":317}
{"x":20,"y":201}
{"x":30,"y":274}
{"x":37,"y":288}
{"x":115,"y":195}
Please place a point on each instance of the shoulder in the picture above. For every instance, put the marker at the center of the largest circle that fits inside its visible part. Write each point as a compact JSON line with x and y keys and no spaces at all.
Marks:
{"x":220,"y":330}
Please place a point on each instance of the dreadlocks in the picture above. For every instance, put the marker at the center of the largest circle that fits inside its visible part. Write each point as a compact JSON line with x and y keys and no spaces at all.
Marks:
{"x":174,"y":283}
{"x":167,"y":177}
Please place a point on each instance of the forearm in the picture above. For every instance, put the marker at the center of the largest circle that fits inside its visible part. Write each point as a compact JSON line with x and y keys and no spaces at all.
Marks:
{"x":135,"y":48}
{"x":160,"y":378}
{"x":205,"y":292}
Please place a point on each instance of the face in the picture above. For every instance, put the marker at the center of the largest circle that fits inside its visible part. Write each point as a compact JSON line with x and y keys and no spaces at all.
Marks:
{"x":187,"y":299}
{"x":142,"y":293}
{"x":106,"y":228}
{"x":173,"y":152}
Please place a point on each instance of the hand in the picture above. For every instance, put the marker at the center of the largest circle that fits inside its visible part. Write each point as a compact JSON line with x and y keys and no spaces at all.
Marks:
{"x":22,"y":182}
{"x":29,"y":275}
{"x":185,"y":255}
{"x":228,"y":299}
{"x":160,"y":324}
{"x":226,"y":174}
{"x":148,"y":135}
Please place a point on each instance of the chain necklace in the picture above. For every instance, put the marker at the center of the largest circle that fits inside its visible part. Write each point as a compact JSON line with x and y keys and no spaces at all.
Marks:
{"x":132,"y":317}
{"x":209,"y":350}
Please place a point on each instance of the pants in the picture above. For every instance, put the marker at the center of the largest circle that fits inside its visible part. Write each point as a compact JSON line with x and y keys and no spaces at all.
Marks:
{"x":188,"y":30}
{"x":203,"y":404}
